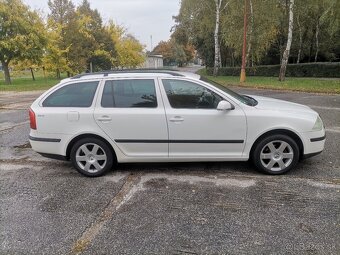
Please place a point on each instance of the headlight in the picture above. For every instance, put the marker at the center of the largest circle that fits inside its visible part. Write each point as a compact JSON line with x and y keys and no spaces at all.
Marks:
{"x":318,"y":124}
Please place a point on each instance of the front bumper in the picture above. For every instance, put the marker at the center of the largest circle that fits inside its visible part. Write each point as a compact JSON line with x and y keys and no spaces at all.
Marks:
{"x":314,"y":142}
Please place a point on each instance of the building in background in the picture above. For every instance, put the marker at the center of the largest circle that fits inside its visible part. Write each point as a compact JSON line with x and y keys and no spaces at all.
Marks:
{"x":153,"y":61}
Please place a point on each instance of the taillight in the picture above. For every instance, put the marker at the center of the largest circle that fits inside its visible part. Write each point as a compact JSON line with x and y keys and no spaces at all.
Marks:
{"x":33,"y":121}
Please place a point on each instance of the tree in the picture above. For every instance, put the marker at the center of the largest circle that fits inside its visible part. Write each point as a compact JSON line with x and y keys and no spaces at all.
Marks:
{"x":174,"y":53}
{"x":317,"y":29}
{"x":129,"y":51}
{"x":21,"y":35}
{"x":83,"y":35}
{"x":164,"y":48}
{"x":62,"y":19}
{"x":62,"y":11}
{"x":101,"y":60}
{"x":32,"y":58}
{"x":195,"y":25}
{"x":189,"y":51}
{"x":262,"y":29}
{"x":289,"y":42}
{"x":55,"y":59}
{"x":220,"y":6}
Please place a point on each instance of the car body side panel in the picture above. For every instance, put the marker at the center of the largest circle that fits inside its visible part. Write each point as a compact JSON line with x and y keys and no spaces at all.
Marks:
{"x":65,"y":124}
{"x":263,"y":121}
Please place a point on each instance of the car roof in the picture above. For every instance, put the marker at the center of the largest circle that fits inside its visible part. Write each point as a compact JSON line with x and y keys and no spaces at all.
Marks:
{"x":134,"y":73}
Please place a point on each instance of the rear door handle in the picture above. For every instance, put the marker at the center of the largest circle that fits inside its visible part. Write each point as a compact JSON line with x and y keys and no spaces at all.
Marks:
{"x":177,"y":119}
{"x":104,"y":119}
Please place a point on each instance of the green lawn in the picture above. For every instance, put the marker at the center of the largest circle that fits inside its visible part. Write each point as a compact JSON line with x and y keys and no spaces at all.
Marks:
{"x":23,"y":82}
{"x":317,"y":85}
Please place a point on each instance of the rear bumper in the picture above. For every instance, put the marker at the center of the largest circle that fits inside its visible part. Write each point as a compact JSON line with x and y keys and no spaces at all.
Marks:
{"x":48,"y":145}
{"x":54,"y":156}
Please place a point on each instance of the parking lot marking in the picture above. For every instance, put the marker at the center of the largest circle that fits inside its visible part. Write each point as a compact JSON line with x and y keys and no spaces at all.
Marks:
{"x":333,"y":130}
{"x":191,"y":179}
{"x":324,"y":107}
{"x":324,"y":185}
{"x":7,"y":126}
{"x":85,"y":240}
{"x":132,"y":185}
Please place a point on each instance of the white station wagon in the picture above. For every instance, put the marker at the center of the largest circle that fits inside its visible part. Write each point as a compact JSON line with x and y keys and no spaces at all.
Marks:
{"x":100,"y":119}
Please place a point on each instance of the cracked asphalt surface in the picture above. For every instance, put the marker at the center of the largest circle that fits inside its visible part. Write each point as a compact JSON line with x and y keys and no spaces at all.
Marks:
{"x":46,"y":207}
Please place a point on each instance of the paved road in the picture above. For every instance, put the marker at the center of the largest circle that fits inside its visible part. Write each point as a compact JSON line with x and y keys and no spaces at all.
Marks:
{"x":46,"y":207}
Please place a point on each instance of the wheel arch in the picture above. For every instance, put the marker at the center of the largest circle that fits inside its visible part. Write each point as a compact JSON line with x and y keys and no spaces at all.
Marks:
{"x":79,"y":137}
{"x":287,"y":132}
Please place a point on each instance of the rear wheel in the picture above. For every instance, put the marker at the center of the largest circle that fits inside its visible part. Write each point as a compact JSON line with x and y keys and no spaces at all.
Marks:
{"x":276,"y":154}
{"x":91,"y":157}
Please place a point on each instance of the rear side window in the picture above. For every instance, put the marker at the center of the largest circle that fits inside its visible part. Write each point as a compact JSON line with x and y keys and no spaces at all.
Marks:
{"x":74,"y":95}
{"x":129,"y":94}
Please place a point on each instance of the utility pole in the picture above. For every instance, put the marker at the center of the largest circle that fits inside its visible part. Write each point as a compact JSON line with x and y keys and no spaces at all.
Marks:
{"x":243,"y":68}
{"x":151,"y":43}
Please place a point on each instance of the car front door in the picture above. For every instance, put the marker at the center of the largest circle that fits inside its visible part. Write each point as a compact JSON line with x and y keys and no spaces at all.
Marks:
{"x":132,"y":113}
{"x":196,"y":128}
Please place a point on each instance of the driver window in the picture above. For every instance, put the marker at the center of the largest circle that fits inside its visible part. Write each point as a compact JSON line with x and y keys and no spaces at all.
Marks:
{"x":189,"y":95}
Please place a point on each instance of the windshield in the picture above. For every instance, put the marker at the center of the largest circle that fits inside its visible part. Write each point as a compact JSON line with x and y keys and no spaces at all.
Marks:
{"x":242,"y":98}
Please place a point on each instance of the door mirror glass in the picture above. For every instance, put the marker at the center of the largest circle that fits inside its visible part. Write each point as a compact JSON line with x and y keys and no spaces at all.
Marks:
{"x":225,"y":106}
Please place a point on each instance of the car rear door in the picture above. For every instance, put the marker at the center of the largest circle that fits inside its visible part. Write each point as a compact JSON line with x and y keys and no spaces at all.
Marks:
{"x":131,"y":112}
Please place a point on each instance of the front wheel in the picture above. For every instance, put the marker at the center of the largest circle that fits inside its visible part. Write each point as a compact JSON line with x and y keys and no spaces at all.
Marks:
{"x":91,"y":157}
{"x":276,"y":154}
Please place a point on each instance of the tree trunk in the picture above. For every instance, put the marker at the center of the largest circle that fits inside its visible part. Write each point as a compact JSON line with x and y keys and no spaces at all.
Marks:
{"x":300,"y":41}
{"x":250,"y":33}
{"x":232,"y":58}
{"x":32,"y":73}
{"x":6,"y":72}
{"x":220,"y":56}
{"x":217,"y":62}
{"x":317,"y":40}
{"x":285,"y":56}
{"x":58,"y":74}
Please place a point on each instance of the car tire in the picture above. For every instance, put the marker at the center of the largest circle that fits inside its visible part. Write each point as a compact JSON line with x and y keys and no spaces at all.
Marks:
{"x":276,"y":154}
{"x":91,"y":157}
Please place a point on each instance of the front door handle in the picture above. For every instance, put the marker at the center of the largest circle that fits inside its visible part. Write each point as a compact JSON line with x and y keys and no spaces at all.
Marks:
{"x":104,"y":119}
{"x":177,"y":119}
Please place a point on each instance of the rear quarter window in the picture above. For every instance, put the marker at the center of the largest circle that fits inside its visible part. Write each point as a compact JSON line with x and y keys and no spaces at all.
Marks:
{"x":73,"y":95}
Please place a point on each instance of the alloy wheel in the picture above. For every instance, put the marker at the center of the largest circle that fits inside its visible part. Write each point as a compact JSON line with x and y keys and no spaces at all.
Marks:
{"x":276,"y":155}
{"x":91,"y":158}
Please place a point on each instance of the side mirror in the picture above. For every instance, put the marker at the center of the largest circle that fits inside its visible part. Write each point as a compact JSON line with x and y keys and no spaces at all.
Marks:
{"x":225,"y":106}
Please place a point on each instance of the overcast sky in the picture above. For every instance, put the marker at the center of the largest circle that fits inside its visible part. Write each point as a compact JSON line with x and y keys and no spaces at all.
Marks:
{"x":142,"y":18}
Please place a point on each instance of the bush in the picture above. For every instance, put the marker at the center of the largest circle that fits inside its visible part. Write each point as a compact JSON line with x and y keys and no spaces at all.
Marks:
{"x":327,"y":70}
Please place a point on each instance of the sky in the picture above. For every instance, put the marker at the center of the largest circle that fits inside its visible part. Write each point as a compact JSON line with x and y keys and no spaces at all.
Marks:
{"x":142,"y":18}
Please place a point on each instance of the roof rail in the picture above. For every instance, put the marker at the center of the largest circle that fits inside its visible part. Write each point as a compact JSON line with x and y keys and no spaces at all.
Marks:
{"x":106,"y":73}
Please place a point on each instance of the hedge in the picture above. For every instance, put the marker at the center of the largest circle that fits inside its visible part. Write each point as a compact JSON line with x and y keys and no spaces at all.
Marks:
{"x":329,"y":70}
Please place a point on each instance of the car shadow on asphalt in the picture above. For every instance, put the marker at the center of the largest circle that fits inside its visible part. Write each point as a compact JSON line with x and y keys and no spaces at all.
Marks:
{"x":244,"y":168}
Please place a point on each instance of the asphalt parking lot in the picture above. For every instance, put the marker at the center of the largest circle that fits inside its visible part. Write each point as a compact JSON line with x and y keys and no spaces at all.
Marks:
{"x":46,"y":207}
